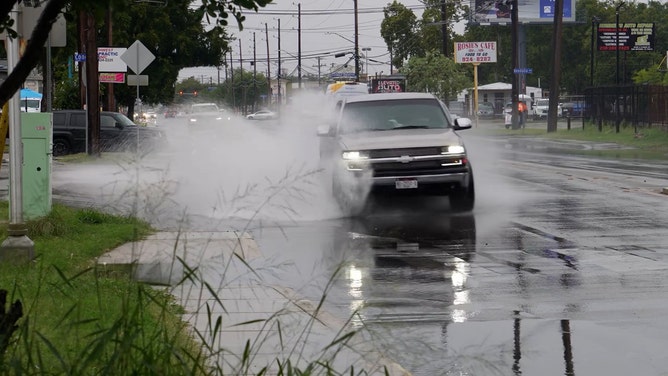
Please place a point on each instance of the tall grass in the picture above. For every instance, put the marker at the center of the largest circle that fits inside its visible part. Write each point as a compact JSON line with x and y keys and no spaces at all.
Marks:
{"x":82,"y":320}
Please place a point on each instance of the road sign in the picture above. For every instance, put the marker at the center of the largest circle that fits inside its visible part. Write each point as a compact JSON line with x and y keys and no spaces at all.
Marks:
{"x":137,"y":57}
{"x":137,"y":80}
{"x":523,"y":70}
{"x":79,"y":57}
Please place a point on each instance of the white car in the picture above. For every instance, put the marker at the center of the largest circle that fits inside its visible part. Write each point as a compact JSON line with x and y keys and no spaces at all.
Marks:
{"x":541,"y":108}
{"x":207,"y":114}
{"x":262,"y":115}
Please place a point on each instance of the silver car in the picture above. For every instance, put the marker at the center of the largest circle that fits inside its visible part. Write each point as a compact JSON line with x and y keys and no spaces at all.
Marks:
{"x":396,"y":143}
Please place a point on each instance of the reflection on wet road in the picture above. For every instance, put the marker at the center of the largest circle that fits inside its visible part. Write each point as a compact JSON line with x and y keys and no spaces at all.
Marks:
{"x":560,"y":270}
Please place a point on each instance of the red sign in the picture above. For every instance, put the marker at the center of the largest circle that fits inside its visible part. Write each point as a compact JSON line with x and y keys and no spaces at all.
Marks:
{"x":112,"y":78}
{"x":388,"y":85}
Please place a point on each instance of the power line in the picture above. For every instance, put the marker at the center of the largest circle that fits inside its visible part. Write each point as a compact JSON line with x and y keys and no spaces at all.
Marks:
{"x":327,"y":12}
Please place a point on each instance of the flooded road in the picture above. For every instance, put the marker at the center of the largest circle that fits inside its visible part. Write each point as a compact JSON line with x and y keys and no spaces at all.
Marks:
{"x":560,"y":269}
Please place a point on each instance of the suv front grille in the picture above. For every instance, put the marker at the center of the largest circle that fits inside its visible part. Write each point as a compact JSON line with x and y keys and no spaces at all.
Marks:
{"x":414,"y":162}
{"x":413,"y":152}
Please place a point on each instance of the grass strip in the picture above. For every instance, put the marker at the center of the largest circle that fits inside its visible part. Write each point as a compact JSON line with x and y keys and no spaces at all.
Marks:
{"x":80,"y":322}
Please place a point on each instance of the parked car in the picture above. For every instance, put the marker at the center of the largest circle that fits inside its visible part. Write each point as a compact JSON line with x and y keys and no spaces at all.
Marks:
{"x":396,"y":143}
{"x":541,"y":108}
{"x":207,"y":114}
{"x":117,"y":133}
{"x":485,"y":109}
{"x":573,"y":109}
{"x":170,"y":113}
{"x":262,"y":115}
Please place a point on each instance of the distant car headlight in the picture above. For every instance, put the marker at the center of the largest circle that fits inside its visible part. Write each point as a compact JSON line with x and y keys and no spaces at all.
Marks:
{"x":453,"y":149}
{"x":193,"y":120}
{"x":354,"y":155}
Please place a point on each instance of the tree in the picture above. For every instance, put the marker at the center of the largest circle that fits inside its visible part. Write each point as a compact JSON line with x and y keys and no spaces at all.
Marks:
{"x":437,"y":74}
{"x":216,"y":11}
{"x":399,"y":30}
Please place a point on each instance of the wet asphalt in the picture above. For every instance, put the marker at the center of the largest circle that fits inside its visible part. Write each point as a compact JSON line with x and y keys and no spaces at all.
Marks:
{"x":559,"y":270}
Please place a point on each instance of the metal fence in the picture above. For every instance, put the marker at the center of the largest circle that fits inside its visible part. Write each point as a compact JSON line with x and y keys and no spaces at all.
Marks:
{"x":636,"y":105}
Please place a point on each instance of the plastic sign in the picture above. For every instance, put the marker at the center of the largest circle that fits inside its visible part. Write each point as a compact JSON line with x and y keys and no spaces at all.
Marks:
{"x":475,"y":52}
{"x":109,"y":59}
{"x":112,"y":78}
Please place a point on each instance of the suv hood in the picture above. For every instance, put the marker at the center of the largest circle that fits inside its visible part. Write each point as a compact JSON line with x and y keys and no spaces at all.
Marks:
{"x":402,"y":138}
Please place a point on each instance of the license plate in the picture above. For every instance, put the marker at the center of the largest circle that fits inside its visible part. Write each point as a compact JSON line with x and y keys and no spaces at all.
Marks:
{"x":406,"y":184}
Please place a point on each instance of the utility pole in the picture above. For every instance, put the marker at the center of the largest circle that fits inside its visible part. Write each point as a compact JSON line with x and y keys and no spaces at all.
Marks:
{"x":617,"y":111}
{"x":111,"y":104}
{"x":556,"y":66}
{"x":299,"y":45}
{"x":444,"y":28}
{"x":241,"y":80}
{"x":92,"y":86}
{"x":357,"y":46}
{"x":266,"y":32}
{"x":278,"y":76}
{"x":514,"y":19}
{"x":254,"y":74}
{"x":319,"y":66}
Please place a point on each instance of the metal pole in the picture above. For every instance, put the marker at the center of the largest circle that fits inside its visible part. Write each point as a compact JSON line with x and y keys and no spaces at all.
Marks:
{"x":17,"y":247}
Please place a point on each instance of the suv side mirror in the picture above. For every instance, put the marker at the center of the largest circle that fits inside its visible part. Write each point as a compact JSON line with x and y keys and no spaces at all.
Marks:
{"x":325,"y":130}
{"x":462,"y":123}
{"x":119,"y":125}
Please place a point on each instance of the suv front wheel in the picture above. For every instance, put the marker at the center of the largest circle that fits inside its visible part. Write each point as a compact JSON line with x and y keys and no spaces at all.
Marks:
{"x":463,"y":199}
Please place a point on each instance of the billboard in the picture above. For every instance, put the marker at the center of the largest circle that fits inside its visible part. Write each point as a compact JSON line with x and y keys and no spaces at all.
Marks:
{"x":529,"y":11}
{"x":632,"y":37}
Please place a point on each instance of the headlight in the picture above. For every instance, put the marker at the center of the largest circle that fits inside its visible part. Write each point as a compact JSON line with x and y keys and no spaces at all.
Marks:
{"x":453,"y":149}
{"x":354,"y":155}
{"x":193,"y":120}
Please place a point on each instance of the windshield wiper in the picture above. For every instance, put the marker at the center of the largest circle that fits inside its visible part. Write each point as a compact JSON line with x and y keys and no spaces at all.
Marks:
{"x":412,"y":127}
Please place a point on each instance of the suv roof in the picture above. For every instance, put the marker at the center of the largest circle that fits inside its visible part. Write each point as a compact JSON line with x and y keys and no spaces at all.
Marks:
{"x":388,"y":96}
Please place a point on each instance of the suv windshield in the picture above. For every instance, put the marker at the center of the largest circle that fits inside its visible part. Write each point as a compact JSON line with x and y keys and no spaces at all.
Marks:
{"x":393,"y":114}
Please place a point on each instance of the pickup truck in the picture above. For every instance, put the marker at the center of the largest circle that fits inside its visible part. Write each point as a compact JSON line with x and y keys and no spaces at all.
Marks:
{"x":117,"y":133}
{"x":396,"y":143}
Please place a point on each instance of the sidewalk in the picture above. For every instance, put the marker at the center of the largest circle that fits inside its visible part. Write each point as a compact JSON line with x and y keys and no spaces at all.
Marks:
{"x":249,"y":309}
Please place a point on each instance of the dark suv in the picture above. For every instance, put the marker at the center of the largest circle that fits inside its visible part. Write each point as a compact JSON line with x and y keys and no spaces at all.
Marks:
{"x":117,"y":133}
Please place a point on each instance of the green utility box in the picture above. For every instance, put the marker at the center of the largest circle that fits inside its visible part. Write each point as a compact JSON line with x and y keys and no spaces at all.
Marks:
{"x":37,"y":136}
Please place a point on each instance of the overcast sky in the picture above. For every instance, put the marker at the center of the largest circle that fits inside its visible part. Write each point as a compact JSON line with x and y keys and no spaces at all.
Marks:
{"x":327,"y":27}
